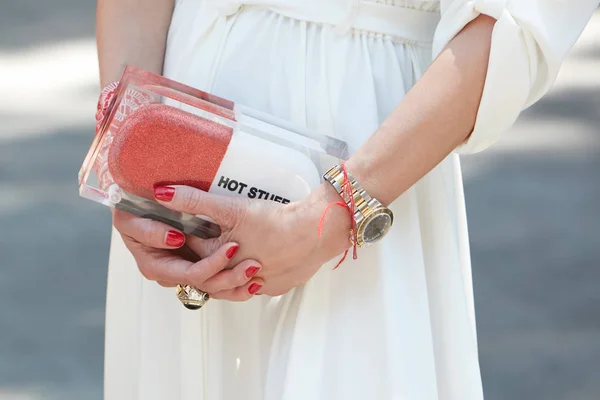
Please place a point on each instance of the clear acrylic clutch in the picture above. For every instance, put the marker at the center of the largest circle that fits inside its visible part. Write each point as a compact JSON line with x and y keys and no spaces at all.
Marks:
{"x":159,"y":132}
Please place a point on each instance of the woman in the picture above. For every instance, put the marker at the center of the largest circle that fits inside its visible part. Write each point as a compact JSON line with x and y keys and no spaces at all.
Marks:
{"x":398,"y":321}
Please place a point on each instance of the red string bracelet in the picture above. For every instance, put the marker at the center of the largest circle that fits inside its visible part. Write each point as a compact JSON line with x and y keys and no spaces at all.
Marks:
{"x":347,"y":194}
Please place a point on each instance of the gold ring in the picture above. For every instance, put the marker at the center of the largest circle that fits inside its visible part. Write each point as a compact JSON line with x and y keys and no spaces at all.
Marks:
{"x":191,"y":298}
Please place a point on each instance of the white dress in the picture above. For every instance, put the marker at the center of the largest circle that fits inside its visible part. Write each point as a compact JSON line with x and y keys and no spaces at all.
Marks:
{"x":398,"y":323}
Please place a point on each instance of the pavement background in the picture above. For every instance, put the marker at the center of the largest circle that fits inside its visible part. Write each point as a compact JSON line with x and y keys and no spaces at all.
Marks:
{"x":532,"y":201}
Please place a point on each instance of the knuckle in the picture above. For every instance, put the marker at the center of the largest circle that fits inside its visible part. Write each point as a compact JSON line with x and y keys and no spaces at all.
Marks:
{"x":146,"y":271}
{"x":150,"y":234}
{"x":217,"y":296}
{"x":191,"y":200}
{"x":240,"y":278}
{"x":229,"y":212}
{"x":212,"y":246}
{"x":232,"y":212}
{"x":190,"y":278}
{"x":167,"y":269}
{"x":215,"y":264}
{"x":238,"y":210}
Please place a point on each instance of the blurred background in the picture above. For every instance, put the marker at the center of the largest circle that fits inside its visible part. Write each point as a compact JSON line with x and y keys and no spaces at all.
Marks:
{"x":533,"y":203}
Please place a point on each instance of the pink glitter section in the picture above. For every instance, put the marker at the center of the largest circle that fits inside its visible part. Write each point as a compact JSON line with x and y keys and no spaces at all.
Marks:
{"x":161,"y":145}
{"x":131,"y":100}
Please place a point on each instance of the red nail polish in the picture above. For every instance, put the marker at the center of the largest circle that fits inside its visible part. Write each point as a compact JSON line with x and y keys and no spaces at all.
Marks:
{"x":250,"y":272}
{"x":175,"y":239}
{"x":255,"y":287}
{"x":231,"y":251}
{"x":164,"y":193}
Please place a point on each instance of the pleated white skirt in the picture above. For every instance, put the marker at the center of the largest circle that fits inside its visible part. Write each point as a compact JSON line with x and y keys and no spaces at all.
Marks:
{"x":398,"y":323}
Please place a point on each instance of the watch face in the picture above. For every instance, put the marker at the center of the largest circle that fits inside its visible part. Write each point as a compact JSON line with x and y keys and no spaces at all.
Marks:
{"x":376,"y":228}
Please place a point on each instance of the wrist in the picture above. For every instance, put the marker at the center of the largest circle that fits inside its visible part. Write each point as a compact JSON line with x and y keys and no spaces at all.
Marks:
{"x":335,"y":225}
{"x":370,"y":219}
{"x":366,"y":175}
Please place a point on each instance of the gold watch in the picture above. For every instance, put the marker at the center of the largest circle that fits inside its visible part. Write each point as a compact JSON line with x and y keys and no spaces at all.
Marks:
{"x":373,"y":220}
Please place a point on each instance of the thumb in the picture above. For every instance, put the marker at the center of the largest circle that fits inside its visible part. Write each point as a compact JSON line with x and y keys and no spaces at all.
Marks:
{"x":221,"y":209}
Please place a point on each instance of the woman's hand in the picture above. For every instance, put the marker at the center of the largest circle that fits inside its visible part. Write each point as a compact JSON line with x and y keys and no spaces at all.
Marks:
{"x":284,"y":238}
{"x":161,"y":256}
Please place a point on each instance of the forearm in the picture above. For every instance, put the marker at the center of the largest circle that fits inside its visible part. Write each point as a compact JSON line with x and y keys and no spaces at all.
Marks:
{"x":131,"y":32}
{"x":436,"y":116}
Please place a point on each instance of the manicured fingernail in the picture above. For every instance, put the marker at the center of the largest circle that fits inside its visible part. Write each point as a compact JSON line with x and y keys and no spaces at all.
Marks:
{"x":175,"y":239}
{"x":255,"y":287}
{"x":231,"y":251}
{"x":250,"y":272}
{"x":164,"y":193}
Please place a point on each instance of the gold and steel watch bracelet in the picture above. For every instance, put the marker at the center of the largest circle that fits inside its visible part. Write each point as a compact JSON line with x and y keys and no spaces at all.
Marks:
{"x":364,"y":204}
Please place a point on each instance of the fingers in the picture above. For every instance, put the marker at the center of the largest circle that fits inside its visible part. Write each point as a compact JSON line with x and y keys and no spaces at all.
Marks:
{"x":240,"y":293}
{"x":210,"y":274}
{"x":210,"y":266}
{"x":186,"y":252}
{"x":147,"y":232}
{"x":226,"y":283}
{"x":158,"y":264}
{"x":197,"y":202}
{"x":202,"y":247}
{"x":236,"y":284}
{"x":231,"y":278}
{"x":166,"y":284}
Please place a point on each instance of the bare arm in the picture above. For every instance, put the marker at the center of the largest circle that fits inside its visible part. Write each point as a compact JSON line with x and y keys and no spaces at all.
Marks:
{"x":436,"y":115}
{"x":131,"y":32}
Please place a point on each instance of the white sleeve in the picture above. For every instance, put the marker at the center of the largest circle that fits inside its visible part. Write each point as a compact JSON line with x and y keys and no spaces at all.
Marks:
{"x":529,"y":42}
